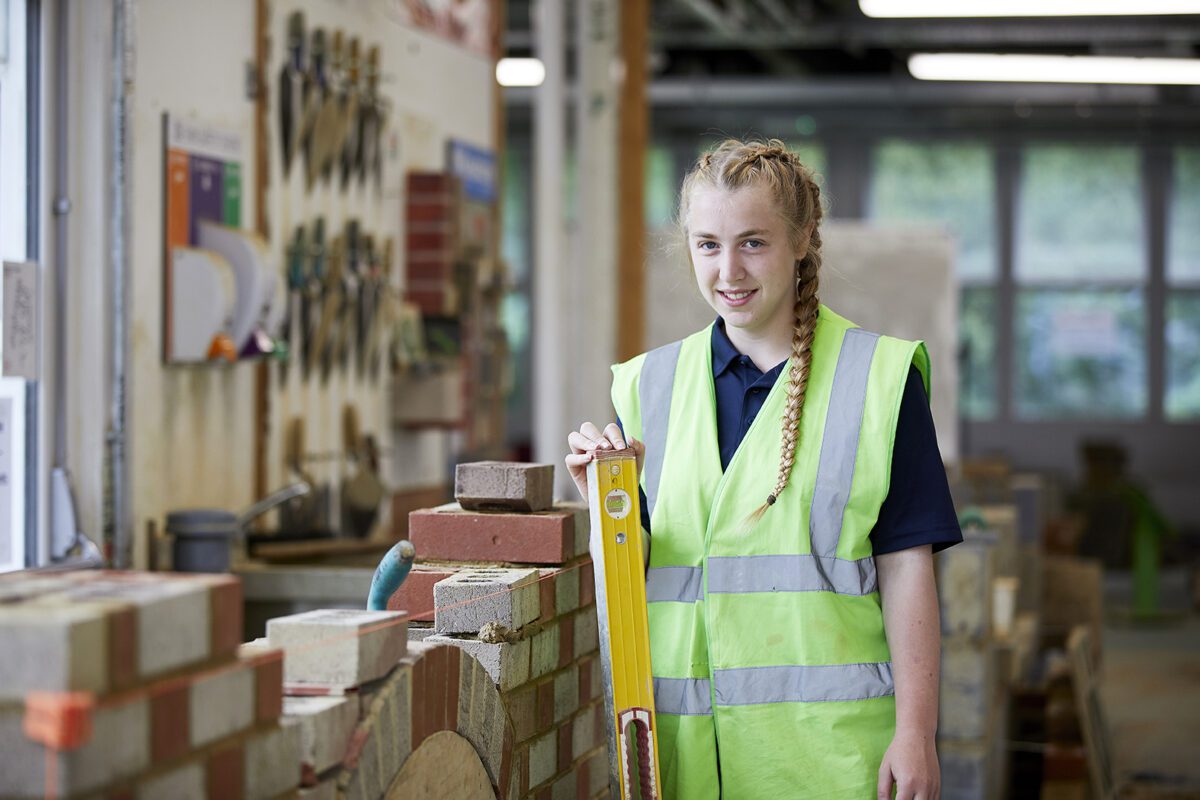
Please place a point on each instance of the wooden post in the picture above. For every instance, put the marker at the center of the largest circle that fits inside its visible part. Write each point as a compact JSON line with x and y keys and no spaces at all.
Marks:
{"x":262,"y":375}
{"x":631,"y":155}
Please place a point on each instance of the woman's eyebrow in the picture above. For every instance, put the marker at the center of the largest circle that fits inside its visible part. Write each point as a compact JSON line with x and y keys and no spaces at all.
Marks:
{"x":742,"y":235}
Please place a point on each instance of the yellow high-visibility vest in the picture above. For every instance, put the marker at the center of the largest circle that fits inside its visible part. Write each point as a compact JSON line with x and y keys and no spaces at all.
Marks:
{"x":772,"y":675}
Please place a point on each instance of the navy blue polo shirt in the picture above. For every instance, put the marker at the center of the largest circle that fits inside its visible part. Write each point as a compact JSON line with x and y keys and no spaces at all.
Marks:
{"x":918,"y":509}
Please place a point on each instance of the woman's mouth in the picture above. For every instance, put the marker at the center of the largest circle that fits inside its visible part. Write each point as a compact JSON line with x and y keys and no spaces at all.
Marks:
{"x":736,"y":299}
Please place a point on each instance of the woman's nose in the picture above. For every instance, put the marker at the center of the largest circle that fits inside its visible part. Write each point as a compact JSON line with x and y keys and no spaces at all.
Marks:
{"x":730,"y":269}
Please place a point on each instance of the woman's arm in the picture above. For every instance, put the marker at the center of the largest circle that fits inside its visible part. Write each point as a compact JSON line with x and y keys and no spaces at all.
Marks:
{"x":910,"y":618}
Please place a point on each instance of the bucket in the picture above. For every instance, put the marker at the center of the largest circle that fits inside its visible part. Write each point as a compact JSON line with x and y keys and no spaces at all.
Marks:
{"x":201,"y":539}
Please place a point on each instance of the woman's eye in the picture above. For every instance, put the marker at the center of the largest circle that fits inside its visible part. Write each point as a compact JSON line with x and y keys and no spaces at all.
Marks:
{"x":754,"y":243}
{"x":705,"y":245}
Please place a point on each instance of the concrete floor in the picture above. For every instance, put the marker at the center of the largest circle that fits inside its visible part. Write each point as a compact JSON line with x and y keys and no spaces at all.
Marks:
{"x":1151,"y":685}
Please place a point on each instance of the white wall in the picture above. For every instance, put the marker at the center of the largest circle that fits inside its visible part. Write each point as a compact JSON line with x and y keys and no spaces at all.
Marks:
{"x":191,"y":436}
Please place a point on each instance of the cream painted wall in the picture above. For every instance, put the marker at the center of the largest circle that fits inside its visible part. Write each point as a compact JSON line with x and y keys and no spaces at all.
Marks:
{"x":191,"y":429}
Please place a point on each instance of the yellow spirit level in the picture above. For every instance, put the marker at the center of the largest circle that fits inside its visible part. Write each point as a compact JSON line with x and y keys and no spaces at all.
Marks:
{"x":616,"y":546}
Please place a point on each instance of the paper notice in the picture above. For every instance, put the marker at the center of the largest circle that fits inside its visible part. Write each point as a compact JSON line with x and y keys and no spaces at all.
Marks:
{"x":20,"y":342}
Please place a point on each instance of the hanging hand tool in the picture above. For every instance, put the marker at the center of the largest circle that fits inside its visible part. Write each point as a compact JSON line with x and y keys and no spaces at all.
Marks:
{"x":384,"y":314}
{"x":616,"y":547}
{"x":352,"y":141}
{"x":368,"y":302}
{"x":335,"y":113}
{"x":372,"y":119}
{"x":352,"y":281}
{"x":331,"y":306}
{"x":294,"y":282}
{"x":315,"y":95}
{"x":312,"y":282}
{"x":293,"y":88}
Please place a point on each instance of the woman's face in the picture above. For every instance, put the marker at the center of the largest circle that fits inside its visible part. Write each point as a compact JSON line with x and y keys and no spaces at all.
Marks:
{"x":744,"y":259}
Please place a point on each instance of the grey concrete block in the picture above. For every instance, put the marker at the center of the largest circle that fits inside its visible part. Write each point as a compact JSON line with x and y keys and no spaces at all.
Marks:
{"x":965,"y":574}
{"x":566,"y":693}
{"x":272,"y":762}
{"x":566,"y":591}
{"x":118,"y":748}
{"x":564,"y":787}
{"x":545,"y":652}
{"x":338,"y":648}
{"x":188,"y":782}
{"x":587,"y":632}
{"x":325,"y":790}
{"x":543,"y":759}
{"x":468,"y":600}
{"x":583,"y":523}
{"x":60,"y":649}
{"x":507,"y":664}
{"x":326,"y":724}
{"x":969,"y":690}
{"x":583,"y":732}
{"x":502,"y":485}
{"x":221,"y":704}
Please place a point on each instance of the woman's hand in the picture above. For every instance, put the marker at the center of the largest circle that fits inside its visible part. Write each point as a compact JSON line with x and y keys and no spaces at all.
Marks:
{"x":911,"y":765}
{"x":587,"y":440}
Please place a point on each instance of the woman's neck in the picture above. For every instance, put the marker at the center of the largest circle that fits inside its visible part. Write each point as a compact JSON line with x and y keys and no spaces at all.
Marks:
{"x":766,"y":348}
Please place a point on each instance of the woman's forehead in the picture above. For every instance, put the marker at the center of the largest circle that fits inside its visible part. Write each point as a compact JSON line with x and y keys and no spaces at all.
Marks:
{"x":713,"y":209}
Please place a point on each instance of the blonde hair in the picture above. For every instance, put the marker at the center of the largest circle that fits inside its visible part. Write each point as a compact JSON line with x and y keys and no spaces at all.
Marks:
{"x":733,"y":165}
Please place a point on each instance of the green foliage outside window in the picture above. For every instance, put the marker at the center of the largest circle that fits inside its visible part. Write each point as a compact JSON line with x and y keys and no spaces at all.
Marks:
{"x":1182,"y":399}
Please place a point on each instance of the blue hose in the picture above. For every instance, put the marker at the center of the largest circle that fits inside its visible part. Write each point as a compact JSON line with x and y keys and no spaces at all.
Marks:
{"x":390,"y":573}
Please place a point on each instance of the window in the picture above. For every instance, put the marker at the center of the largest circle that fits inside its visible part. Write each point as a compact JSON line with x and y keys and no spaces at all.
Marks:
{"x":1080,"y":269}
{"x":661,"y":188}
{"x":951,"y":183}
{"x":1181,"y":398}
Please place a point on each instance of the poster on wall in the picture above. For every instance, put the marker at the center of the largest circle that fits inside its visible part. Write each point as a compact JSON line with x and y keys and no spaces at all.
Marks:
{"x":202,"y":181}
{"x":467,"y":23}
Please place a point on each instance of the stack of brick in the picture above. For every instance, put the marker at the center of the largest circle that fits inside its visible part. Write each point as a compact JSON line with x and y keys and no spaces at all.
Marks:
{"x":130,"y":685}
{"x":431,"y":242}
{"x":973,"y":708}
{"x":511,"y":584}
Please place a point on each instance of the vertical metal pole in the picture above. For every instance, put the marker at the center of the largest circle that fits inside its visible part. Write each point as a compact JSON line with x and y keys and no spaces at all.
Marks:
{"x":1156,"y":189}
{"x":118,"y":257}
{"x":1008,"y":165}
{"x":550,"y":359}
{"x":33,"y":231}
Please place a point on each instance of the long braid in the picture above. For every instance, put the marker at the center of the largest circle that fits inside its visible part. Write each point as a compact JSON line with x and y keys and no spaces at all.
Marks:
{"x":734,"y":165}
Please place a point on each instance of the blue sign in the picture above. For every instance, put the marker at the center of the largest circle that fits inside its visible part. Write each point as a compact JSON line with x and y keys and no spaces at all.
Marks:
{"x":477,"y":169}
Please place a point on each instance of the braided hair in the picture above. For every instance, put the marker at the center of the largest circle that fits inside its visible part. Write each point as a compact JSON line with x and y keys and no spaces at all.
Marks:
{"x":733,"y":165}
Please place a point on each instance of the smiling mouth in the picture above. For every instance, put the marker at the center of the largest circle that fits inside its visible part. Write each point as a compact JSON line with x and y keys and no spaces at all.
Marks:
{"x":736,"y":297}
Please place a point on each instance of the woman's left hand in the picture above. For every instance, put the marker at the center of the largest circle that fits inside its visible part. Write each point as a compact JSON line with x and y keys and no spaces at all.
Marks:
{"x":911,"y":765}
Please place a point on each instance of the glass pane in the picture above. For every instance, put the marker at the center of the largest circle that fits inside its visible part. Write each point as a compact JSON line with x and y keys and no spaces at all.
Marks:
{"x":1183,"y":240}
{"x":661,"y":187}
{"x":949,"y":183}
{"x":1080,"y":352}
{"x":1182,"y":398}
{"x":1080,"y":214}
{"x":515,"y":210}
{"x":977,"y":338}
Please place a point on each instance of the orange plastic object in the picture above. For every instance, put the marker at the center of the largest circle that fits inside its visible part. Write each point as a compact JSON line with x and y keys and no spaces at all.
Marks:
{"x":59,"y":720}
{"x":222,"y":347}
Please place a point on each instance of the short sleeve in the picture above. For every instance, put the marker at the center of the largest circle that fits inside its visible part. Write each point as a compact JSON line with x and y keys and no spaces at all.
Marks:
{"x":918,"y":509}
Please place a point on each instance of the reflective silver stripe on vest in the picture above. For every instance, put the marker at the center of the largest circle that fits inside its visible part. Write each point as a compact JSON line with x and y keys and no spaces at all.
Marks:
{"x":654,"y":395}
{"x":790,"y":573}
{"x":839,"y":444}
{"x":683,"y":696}
{"x":674,"y":584}
{"x":747,"y":686}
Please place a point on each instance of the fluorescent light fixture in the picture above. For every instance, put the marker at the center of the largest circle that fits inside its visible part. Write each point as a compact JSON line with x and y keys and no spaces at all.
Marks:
{"x":1025,"y":8}
{"x":1053,"y":69}
{"x":520,"y":72}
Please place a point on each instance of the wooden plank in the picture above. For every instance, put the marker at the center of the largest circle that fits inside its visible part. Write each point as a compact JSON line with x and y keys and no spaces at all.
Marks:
{"x":1091,"y":713}
{"x":631,"y":154}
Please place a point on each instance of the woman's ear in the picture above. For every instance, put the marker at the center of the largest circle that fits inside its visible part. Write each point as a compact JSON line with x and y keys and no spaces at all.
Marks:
{"x":802,"y":245}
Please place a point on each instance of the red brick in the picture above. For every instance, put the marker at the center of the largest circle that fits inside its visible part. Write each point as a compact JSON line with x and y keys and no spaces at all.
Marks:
{"x":506,"y":762}
{"x":566,"y":642}
{"x":453,"y":664}
{"x":225,"y":773}
{"x":545,"y":705}
{"x":587,"y":584}
{"x":435,"y":682}
{"x":415,"y":595}
{"x":564,"y":745}
{"x":453,"y":535}
{"x":581,"y":779}
{"x":585,"y":681}
{"x":600,"y":720}
{"x":428,"y":211}
{"x":543,"y":794}
{"x":434,"y":303}
{"x":169,"y":722}
{"x":546,"y":594}
{"x":121,"y":794}
{"x":429,"y":240}
{"x":435,"y":273}
{"x":523,"y":756}
{"x":122,"y":648}
{"x":268,"y":686}
{"x":430,"y":181}
{"x":225,"y":606}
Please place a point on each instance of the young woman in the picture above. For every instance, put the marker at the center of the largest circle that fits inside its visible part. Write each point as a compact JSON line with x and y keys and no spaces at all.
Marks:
{"x":794,"y":493}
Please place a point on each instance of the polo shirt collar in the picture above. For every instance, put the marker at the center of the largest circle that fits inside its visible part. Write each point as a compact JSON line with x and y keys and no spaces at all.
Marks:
{"x":723,"y":351}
